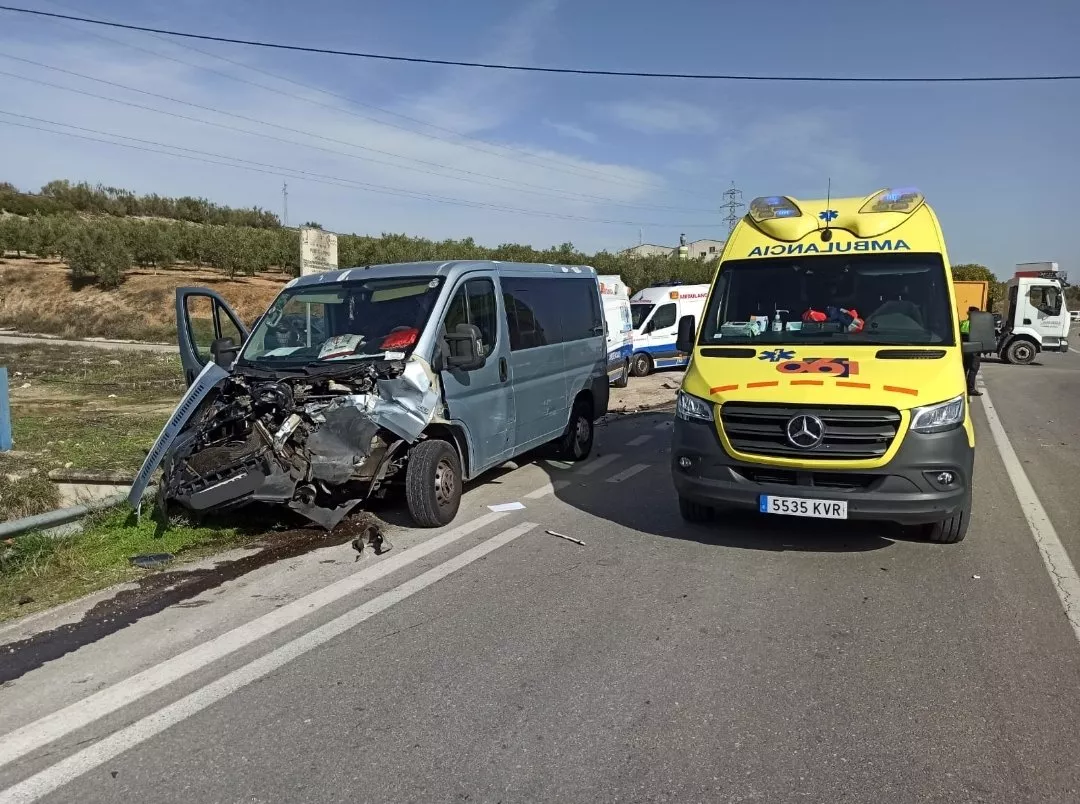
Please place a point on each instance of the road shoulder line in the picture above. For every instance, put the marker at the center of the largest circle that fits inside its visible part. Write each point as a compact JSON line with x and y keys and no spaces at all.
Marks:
{"x":1062,"y":572}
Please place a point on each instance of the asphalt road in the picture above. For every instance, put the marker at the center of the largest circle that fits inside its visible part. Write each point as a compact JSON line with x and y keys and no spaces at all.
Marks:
{"x":751,"y":661}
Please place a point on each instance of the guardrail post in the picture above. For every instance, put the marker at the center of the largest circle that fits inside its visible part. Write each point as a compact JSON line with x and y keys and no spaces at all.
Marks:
{"x":5,"y":413}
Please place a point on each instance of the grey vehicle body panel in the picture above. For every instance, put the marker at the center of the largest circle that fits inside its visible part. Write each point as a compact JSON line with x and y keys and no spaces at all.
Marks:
{"x":511,"y":404}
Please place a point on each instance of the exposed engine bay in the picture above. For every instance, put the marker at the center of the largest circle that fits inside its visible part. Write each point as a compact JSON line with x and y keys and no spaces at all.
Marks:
{"x":320,"y":439}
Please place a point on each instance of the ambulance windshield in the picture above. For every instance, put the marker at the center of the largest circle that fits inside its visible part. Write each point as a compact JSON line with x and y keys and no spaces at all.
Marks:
{"x":872,"y":299}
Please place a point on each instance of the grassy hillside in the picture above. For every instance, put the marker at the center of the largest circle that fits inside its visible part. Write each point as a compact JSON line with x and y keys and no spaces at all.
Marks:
{"x":37,"y":296}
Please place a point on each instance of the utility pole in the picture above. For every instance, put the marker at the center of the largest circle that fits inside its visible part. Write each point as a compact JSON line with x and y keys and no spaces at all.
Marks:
{"x":285,"y":203}
{"x":732,"y":203}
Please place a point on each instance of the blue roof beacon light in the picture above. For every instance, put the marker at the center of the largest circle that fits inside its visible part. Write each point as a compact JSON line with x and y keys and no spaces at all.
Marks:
{"x":773,"y":206}
{"x":898,"y":199}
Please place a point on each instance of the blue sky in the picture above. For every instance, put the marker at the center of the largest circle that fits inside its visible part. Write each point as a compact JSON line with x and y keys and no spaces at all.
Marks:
{"x":999,"y":162}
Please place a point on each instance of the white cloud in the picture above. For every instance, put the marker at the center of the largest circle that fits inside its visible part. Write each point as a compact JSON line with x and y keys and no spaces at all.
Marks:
{"x":661,"y":115}
{"x":573,"y":132}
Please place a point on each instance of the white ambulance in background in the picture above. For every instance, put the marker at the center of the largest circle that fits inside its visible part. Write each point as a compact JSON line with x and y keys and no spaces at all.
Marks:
{"x":655,"y":312}
{"x":620,"y":340}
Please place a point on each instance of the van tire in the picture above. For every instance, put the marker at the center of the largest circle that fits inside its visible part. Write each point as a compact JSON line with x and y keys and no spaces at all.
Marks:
{"x":433,"y":483}
{"x":695,"y":512}
{"x":1020,"y":353}
{"x":576,"y":443}
{"x":642,"y":365}
{"x":624,"y":378}
{"x":953,"y":529}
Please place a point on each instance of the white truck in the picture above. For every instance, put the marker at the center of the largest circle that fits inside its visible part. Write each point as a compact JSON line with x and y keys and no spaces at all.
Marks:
{"x":1036,"y":319}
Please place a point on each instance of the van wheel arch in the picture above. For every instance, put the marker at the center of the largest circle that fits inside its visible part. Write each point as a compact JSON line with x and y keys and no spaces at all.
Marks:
{"x":455,"y":435}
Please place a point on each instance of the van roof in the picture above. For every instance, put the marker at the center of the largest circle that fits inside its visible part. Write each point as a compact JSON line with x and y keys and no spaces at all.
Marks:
{"x":445,"y":268}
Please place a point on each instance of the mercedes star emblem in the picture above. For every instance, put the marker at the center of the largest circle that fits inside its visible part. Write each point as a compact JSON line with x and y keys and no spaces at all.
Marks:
{"x":805,"y":432}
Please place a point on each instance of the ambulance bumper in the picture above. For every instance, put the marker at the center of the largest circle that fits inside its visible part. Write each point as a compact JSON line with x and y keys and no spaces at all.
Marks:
{"x":910,"y":490}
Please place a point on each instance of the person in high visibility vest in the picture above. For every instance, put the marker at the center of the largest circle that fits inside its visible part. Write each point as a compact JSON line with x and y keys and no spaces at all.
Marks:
{"x":971,"y":362}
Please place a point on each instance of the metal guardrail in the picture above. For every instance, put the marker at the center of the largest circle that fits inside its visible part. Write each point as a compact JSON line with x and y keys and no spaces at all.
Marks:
{"x":51,"y":521}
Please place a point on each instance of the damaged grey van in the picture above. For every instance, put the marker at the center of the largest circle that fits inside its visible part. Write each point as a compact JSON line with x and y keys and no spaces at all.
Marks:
{"x":419,"y":376}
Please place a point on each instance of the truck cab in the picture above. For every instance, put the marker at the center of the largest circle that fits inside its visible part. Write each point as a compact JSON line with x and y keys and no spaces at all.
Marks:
{"x":1036,"y":319}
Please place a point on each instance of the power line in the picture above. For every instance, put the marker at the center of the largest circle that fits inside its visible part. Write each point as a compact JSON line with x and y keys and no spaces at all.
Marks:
{"x":560,"y":165}
{"x":507,"y":184}
{"x":561,"y":70}
{"x":296,"y":173}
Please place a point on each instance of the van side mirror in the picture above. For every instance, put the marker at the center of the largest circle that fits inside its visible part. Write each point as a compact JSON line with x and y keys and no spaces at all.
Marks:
{"x":982,"y":333}
{"x":224,"y":351}
{"x":684,"y":342}
{"x":464,"y":348}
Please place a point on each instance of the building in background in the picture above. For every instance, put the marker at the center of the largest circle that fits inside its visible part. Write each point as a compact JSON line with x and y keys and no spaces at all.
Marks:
{"x":696,"y":249}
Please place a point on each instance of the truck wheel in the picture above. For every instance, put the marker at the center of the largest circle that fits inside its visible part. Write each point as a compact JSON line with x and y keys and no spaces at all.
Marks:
{"x":642,"y":365}
{"x":433,"y":483}
{"x":624,"y":378}
{"x":694,"y":512}
{"x":953,"y":529}
{"x":576,"y":443}
{"x":1022,"y":353}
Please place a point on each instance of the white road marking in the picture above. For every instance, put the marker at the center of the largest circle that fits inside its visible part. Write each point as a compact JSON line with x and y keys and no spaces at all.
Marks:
{"x":41,"y":732}
{"x":1074,"y":351}
{"x":545,"y":490}
{"x":93,"y":756}
{"x":637,"y":442}
{"x":626,"y":474}
{"x":599,"y":463}
{"x":1062,"y":571}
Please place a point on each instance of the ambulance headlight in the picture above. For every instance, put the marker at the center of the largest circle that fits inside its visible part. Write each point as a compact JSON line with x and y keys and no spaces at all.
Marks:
{"x":902,"y":199}
{"x":693,"y":409}
{"x":773,"y":206}
{"x":940,"y":417}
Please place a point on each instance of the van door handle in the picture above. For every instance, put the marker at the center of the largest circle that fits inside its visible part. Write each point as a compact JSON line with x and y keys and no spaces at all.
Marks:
{"x":502,"y":369}
{"x":1027,"y":320}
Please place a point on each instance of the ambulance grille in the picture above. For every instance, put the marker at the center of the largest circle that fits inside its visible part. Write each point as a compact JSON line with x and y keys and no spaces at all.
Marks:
{"x":851,"y":433}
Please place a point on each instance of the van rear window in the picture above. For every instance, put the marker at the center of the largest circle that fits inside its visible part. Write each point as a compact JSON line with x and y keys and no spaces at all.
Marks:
{"x":877,"y":299}
{"x":544,"y":312}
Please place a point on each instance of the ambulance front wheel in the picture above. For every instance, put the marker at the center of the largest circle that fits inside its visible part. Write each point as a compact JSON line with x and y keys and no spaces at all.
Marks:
{"x":695,"y":512}
{"x":642,"y":365}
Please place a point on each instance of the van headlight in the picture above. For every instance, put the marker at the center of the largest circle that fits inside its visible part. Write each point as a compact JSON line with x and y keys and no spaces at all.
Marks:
{"x":940,"y":417}
{"x":693,"y":409}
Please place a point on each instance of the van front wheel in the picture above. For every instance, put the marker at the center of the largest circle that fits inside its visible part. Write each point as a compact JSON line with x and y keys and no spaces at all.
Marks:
{"x":642,"y":365}
{"x":433,"y":483}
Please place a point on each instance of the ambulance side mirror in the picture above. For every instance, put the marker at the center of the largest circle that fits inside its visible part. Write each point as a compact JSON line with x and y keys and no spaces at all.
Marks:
{"x":684,"y":342}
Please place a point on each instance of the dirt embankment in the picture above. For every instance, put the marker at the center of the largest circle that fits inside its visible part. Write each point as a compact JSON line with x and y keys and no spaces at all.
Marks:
{"x":38,"y":296}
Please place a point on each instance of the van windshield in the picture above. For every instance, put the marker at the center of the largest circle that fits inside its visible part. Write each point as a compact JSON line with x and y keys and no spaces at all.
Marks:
{"x":900,"y":299}
{"x":639,"y":311}
{"x":376,"y":318}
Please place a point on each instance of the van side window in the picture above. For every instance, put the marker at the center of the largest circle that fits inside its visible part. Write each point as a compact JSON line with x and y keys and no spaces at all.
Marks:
{"x":474,"y":303}
{"x":664,"y":317}
{"x":544,"y":312}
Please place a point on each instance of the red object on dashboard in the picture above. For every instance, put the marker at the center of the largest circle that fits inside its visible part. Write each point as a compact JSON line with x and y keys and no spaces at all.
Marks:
{"x":400,"y":339}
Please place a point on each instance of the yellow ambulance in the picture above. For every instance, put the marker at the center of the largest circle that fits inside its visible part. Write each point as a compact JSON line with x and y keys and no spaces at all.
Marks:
{"x":826,"y":377}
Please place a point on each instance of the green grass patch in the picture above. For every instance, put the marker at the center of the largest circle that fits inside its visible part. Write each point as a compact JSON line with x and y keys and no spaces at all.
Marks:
{"x":86,"y":439}
{"x":37,"y":572}
{"x":26,"y":495}
{"x":95,"y":373}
